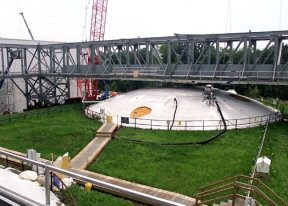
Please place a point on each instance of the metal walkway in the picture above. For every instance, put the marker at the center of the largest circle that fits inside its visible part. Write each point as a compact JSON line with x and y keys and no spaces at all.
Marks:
{"x":232,"y":58}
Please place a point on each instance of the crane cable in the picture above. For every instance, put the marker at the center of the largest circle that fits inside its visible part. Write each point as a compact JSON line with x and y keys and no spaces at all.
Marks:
{"x":85,"y":23}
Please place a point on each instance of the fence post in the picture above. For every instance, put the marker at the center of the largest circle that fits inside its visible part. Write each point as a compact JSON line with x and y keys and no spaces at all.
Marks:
{"x":236,"y":124}
{"x":151,"y":124}
{"x":47,"y":185}
{"x":235,"y":193}
{"x":135,"y":123}
{"x":255,"y":193}
{"x":203,"y":125}
{"x":185,"y":125}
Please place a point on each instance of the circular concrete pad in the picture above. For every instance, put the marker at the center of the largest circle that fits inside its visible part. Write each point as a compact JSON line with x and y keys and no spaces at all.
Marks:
{"x":194,"y":112}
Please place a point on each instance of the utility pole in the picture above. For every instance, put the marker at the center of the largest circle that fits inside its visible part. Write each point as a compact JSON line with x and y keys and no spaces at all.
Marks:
{"x":27,"y":26}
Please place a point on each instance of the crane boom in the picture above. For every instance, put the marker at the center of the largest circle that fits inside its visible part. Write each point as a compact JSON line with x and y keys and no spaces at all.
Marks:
{"x":98,"y":20}
{"x":97,"y":31}
{"x":27,"y":26}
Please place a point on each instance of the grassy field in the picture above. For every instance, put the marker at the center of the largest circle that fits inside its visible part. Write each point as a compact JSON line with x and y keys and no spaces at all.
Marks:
{"x":182,"y":169}
{"x":55,"y":133}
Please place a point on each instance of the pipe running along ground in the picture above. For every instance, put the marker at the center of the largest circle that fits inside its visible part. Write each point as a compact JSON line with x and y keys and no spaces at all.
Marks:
{"x":184,"y":143}
{"x":174,"y":113}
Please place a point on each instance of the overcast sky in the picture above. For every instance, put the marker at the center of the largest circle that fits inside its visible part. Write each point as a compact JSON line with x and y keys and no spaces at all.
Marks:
{"x":63,"y":20}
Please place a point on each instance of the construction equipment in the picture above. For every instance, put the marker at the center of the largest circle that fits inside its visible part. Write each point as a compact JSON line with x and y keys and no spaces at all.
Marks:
{"x":97,"y":31}
{"x":27,"y":26}
{"x":106,"y":94}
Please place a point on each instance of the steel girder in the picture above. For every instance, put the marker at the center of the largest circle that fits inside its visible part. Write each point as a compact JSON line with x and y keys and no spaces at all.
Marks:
{"x":6,"y":97}
{"x":189,"y":58}
{"x":32,"y":65}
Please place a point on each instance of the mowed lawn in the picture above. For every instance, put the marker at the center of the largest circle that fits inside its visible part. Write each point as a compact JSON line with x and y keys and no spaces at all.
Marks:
{"x":181,"y":169}
{"x":57,"y":133}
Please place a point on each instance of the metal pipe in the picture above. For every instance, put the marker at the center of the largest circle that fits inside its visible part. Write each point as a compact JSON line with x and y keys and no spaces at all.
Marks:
{"x":125,"y":191}
{"x":17,"y":198}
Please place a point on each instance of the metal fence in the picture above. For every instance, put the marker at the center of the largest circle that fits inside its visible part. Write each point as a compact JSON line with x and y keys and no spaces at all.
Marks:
{"x":187,"y":124}
{"x":200,"y":124}
{"x":38,"y":112}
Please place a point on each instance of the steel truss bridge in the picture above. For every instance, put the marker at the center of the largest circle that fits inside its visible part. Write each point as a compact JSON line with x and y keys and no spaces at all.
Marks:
{"x":208,"y":58}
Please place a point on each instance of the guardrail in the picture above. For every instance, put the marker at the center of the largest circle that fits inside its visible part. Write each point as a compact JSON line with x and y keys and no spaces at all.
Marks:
{"x":188,"y":124}
{"x":158,"y":74}
{"x":222,"y":76}
{"x":126,"y":192}
{"x":200,"y":124}
{"x":234,"y":186}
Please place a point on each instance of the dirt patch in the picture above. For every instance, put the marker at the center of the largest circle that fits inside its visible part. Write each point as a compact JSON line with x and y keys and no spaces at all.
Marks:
{"x":239,"y":97}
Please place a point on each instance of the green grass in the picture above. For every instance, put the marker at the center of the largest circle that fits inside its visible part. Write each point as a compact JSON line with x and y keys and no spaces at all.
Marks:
{"x":164,"y":136}
{"x":94,"y":197}
{"x":182,"y":169}
{"x":276,"y":143}
{"x":58,"y":133}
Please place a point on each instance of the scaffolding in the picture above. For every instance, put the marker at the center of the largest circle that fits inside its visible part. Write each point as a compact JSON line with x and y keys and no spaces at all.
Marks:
{"x":6,"y":98}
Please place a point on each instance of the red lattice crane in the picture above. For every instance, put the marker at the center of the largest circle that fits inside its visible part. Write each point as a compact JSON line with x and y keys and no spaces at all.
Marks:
{"x":97,"y":31}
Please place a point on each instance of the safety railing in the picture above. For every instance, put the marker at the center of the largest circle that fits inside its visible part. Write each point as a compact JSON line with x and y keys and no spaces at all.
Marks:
{"x":237,"y":75}
{"x":200,"y":124}
{"x":235,"y":187}
{"x":38,"y":112}
{"x":137,"y":72}
{"x":158,"y":74}
{"x":92,"y":114}
{"x":153,"y":200}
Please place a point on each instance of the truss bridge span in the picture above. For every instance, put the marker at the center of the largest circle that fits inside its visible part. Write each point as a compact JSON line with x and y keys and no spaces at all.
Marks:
{"x":233,"y":58}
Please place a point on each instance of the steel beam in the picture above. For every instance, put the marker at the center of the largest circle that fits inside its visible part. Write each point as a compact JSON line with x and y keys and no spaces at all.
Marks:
{"x":42,"y":66}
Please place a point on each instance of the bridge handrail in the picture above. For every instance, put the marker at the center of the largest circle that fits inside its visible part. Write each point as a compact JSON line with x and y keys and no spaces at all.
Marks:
{"x":154,"y":72}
